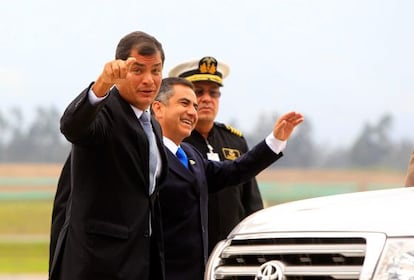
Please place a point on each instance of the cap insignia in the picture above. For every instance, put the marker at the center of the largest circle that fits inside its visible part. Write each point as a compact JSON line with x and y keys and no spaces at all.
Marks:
{"x":208,"y":65}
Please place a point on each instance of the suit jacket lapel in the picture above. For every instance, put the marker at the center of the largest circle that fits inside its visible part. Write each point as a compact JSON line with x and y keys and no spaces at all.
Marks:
{"x":178,"y":168}
{"x":196,"y":165}
{"x":140,"y":133}
{"x":164,"y":163}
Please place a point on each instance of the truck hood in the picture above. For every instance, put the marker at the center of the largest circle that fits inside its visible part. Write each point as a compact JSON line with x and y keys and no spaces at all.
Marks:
{"x":387,"y":211}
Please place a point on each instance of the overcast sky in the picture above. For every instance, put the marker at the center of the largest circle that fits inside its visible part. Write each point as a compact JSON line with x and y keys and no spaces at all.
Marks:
{"x":342,"y":63}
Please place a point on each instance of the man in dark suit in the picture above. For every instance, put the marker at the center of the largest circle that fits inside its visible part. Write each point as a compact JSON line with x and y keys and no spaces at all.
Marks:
{"x":218,"y":141}
{"x":184,"y":193}
{"x":112,"y":224}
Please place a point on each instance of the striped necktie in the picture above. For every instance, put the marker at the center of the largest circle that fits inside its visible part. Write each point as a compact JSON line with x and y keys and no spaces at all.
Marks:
{"x":153,"y":150}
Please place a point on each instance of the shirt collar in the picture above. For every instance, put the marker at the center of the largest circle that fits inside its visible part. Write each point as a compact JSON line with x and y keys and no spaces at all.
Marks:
{"x":170,"y":145}
{"x":137,"y":111}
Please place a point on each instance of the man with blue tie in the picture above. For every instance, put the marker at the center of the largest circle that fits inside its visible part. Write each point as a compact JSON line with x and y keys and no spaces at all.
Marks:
{"x":218,"y":141}
{"x":184,"y":193}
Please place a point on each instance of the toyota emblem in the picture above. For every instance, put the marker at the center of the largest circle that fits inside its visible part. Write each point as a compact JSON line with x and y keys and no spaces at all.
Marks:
{"x":272,"y":270}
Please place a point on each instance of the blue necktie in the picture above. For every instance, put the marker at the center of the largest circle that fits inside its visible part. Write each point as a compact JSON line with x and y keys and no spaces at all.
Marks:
{"x":153,"y":150}
{"x":182,"y":156}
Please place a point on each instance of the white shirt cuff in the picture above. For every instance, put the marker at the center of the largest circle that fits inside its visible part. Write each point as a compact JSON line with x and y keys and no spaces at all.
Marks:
{"x":274,"y":144}
{"x":93,"y":99}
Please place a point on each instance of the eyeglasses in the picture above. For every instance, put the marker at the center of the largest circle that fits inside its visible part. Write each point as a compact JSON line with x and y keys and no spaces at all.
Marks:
{"x":213,"y":93}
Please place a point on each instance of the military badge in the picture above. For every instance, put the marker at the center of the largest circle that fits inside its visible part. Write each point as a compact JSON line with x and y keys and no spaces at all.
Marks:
{"x":231,"y":154}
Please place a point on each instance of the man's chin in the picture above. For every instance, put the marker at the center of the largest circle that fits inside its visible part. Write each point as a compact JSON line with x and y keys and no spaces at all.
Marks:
{"x":205,"y":118}
{"x":187,"y":132}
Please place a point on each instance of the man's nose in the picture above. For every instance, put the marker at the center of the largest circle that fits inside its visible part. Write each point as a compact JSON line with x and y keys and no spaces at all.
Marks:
{"x":147,"y":78}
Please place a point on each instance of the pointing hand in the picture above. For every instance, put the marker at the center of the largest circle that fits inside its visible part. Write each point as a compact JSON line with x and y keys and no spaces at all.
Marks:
{"x":113,"y":72}
{"x":116,"y":70}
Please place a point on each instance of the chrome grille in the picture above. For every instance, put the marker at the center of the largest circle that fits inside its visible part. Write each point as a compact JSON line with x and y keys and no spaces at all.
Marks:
{"x":303,"y":258}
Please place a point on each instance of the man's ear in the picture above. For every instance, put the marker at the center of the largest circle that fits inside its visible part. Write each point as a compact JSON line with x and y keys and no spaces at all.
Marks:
{"x":156,"y":108}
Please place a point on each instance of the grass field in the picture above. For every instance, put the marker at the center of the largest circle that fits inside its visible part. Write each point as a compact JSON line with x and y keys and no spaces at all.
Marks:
{"x":26,"y":197}
{"x":24,"y":257}
{"x":27,"y":191}
{"x":24,"y":235}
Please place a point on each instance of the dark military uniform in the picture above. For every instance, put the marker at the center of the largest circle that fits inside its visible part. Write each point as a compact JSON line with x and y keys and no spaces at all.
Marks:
{"x":230,"y":205}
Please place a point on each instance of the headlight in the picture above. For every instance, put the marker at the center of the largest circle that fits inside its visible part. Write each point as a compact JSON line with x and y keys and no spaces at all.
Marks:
{"x":397,"y":260}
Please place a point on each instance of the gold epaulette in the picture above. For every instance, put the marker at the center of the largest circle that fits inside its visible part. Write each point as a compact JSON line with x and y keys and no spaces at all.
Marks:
{"x":233,"y":130}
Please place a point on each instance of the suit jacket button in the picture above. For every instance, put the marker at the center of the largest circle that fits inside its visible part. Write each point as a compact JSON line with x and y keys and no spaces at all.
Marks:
{"x":146,"y":233}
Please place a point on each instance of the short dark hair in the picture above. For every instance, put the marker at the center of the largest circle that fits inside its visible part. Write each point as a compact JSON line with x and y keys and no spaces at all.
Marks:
{"x":166,"y":88}
{"x":144,"y":43}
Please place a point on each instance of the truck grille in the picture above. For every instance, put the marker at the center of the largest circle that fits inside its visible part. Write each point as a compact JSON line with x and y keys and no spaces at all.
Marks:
{"x":301,"y":258}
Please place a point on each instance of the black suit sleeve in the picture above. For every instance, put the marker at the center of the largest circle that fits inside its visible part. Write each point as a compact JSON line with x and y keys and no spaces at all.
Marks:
{"x":79,"y":117}
{"x":242,"y":169}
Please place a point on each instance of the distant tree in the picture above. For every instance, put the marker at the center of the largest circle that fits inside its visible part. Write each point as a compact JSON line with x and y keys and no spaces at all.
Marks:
{"x":3,"y":132}
{"x":14,"y":147}
{"x":41,"y":141}
{"x":262,"y":127}
{"x":399,"y":155}
{"x":300,"y":150}
{"x":45,"y":136}
{"x":373,"y":144}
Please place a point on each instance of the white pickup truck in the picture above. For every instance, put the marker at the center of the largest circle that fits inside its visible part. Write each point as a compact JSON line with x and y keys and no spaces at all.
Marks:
{"x":362,"y":235}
